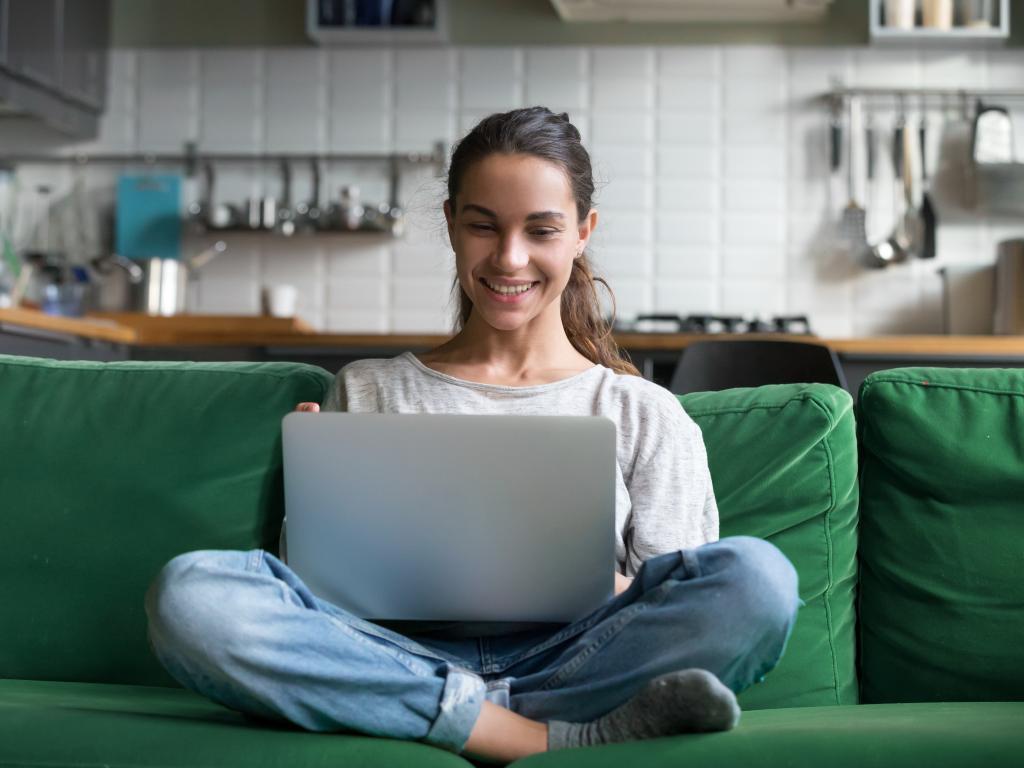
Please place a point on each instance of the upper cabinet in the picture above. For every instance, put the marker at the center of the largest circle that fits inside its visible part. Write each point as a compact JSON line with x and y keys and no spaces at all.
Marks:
{"x":33,"y":41}
{"x":84,"y":51}
{"x":53,"y":61}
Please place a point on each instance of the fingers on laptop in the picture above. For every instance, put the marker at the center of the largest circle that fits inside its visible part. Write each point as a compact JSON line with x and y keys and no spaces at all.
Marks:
{"x":313,"y":407}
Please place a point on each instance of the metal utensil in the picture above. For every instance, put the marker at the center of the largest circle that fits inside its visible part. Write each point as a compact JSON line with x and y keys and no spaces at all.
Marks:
{"x":911,"y":216}
{"x":285,"y":220}
{"x":870,"y":158}
{"x":835,"y":139}
{"x":308,"y":212}
{"x":199,"y":210}
{"x":211,"y":214}
{"x":929,"y":220}
{"x":261,"y":213}
{"x":158,"y":286}
{"x":893,"y":249}
{"x":853,"y":222}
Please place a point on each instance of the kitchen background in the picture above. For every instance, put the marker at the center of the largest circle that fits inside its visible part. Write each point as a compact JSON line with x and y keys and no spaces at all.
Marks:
{"x":715,"y":191}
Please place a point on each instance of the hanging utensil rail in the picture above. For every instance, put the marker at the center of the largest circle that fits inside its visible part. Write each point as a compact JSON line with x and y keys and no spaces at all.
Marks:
{"x":939,"y":97}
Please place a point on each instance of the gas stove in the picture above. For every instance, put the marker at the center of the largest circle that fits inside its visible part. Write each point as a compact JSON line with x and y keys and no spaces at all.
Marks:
{"x":710,"y":324}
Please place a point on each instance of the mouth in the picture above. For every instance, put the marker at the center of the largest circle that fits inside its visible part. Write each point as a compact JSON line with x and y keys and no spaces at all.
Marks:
{"x":509,"y":293}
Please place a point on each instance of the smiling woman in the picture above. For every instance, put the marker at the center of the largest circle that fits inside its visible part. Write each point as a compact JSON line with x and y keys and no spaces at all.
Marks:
{"x":691,"y":620}
{"x":520,"y":215}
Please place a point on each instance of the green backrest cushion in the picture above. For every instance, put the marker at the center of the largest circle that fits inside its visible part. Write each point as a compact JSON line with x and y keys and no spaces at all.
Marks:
{"x":109,"y":470}
{"x":942,"y":535}
{"x":783,"y":461}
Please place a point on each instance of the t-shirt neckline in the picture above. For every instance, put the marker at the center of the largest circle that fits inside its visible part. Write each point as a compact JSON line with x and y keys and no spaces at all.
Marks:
{"x":421,"y":366}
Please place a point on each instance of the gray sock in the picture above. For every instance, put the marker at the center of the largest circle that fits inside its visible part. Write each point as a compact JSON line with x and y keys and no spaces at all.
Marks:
{"x":687,"y":701}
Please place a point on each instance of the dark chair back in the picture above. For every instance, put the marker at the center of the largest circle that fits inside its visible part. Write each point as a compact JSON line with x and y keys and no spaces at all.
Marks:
{"x":707,"y":366}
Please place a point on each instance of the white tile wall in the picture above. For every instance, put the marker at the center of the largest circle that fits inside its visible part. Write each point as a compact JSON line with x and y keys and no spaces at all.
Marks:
{"x":711,"y":166}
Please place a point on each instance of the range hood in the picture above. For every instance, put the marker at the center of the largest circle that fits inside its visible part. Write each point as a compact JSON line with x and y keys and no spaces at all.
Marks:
{"x":699,"y":11}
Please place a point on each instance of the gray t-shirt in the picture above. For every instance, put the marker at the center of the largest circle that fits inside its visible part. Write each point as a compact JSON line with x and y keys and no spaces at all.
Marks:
{"x":664,"y":499}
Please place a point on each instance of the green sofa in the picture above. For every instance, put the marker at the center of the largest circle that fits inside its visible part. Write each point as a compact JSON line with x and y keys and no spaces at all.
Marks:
{"x":908,"y":652}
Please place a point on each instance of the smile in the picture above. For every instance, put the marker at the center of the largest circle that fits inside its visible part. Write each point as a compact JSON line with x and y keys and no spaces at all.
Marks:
{"x":503,"y":293}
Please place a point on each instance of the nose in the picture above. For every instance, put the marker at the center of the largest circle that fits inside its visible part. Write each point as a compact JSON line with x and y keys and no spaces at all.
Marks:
{"x":512,"y":253}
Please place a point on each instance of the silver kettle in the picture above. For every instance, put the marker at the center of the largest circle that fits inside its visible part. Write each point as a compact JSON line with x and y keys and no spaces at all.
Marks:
{"x":157,"y":286}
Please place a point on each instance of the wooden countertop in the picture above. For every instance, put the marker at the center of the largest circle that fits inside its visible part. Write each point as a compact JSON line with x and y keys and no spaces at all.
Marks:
{"x":250,"y":330}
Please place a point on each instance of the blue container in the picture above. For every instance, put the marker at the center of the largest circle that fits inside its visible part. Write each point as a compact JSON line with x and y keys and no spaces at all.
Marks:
{"x":148,"y":216}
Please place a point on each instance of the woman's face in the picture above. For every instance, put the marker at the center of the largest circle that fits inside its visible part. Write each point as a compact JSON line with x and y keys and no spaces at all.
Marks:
{"x":515,"y":226}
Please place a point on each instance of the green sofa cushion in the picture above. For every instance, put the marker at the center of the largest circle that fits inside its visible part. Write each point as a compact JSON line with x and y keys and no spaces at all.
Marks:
{"x":954,"y":735}
{"x":124,"y":726}
{"x":108,"y":471}
{"x":942,"y":542}
{"x":783,"y":460}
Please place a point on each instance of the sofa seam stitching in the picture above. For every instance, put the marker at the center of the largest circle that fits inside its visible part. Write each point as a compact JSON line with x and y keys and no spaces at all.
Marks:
{"x":155,"y":366}
{"x":826,"y":517}
{"x":306,"y":374}
{"x":799,"y":396}
{"x":939,"y":385}
{"x":829,"y":555}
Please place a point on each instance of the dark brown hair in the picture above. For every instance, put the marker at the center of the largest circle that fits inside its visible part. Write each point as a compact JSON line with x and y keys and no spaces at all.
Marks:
{"x":540,"y":132}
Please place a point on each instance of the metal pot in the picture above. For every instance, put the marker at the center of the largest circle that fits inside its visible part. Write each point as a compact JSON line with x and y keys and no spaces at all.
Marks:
{"x":158,"y":286}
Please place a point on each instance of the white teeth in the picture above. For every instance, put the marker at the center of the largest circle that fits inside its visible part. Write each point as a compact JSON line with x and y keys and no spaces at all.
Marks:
{"x":508,"y":291}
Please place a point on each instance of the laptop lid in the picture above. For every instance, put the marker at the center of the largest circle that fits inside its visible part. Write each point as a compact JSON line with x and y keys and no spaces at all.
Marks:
{"x":462,"y":517}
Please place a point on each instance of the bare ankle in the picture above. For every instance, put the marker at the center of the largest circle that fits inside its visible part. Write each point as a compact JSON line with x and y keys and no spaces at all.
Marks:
{"x":503,"y":736}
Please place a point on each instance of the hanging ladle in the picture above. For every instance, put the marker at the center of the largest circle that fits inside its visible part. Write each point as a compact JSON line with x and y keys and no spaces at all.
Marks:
{"x":894,"y":249}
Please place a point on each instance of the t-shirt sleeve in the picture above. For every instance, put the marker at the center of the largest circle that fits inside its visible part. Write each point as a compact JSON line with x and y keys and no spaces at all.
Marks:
{"x":336,"y":397}
{"x":673,"y":499}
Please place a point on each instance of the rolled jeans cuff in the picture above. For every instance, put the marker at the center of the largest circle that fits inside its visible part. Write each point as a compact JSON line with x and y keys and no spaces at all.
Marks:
{"x":461,"y":703}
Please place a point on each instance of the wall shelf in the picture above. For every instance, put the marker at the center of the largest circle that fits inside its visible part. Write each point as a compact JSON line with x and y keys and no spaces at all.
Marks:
{"x":191,"y":157}
{"x":299,"y":233}
{"x":959,"y":35}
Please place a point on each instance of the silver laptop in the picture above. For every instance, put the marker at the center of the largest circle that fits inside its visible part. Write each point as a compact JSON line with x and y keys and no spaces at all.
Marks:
{"x":462,"y":517}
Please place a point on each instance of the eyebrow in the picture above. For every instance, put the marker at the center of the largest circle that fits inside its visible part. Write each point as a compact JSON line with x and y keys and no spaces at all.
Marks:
{"x":536,"y":215}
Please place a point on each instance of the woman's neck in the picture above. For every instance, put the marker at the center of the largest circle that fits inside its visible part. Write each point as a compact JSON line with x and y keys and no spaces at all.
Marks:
{"x":487,"y":354}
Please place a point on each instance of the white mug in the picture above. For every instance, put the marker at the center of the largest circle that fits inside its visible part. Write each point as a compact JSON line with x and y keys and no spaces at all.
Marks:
{"x":279,"y":300}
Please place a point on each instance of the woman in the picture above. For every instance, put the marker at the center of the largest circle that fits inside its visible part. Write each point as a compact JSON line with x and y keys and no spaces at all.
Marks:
{"x":693,"y":620}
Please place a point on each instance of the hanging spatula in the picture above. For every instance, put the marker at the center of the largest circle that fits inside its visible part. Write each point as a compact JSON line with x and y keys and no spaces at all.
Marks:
{"x":853,"y":225}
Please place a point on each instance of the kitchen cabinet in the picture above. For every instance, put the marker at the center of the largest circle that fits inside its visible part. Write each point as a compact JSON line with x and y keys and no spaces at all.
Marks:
{"x":84,"y":52}
{"x":53,"y":62}
{"x":33,"y":41}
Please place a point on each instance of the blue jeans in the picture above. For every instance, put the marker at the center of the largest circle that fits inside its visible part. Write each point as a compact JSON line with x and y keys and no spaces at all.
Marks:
{"x":242,"y":629}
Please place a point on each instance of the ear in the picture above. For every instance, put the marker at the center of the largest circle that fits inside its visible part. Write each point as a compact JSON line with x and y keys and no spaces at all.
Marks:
{"x":448,"y":219}
{"x":585,"y":230}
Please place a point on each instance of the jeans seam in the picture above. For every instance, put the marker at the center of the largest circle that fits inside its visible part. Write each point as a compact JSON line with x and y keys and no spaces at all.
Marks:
{"x":551,"y":642}
{"x":255,"y":560}
{"x":651,"y":599}
{"x":688,"y":560}
{"x":399,"y":655}
{"x":595,"y":645}
{"x":371,"y":629}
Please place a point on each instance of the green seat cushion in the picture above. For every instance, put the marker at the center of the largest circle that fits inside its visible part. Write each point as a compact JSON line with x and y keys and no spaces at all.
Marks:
{"x":952,"y":735}
{"x":942,"y":540}
{"x":783,"y":461}
{"x":108,"y":471}
{"x":87,"y":724}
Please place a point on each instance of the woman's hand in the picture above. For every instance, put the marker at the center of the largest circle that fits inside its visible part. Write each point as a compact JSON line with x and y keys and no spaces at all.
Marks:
{"x":311,"y":407}
{"x":621,"y":583}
